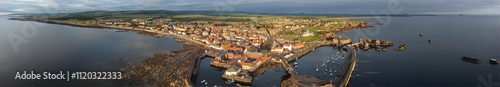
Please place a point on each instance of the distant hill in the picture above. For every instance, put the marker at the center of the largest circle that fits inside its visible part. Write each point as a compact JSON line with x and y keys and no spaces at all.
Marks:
{"x":91,"y":15}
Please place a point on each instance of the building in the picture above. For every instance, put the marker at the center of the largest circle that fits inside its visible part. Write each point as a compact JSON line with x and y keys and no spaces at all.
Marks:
{"x":288,"y":46}
{"x":307,"y":33}
{"x":277,"y":49}
{"x":258,"y":61}
{"x":244,"y":65}
{"x":253,"y":54}
{"x":298,"y":45}
{"x":233,"y":70}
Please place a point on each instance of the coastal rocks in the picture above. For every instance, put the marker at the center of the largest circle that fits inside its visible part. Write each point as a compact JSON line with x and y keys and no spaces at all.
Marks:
{"x":430,"y":41}
{"x":470,"y":59}
{"x":421,"y":35}
{"x":378,"y":45}
{"x":341,"y":40}
{"x":402,"y":47}
{"x":494,"y":61}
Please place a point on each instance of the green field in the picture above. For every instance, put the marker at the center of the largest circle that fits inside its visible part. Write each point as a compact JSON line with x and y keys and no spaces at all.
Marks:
{"x":192,"y":15}
{"x":310,"y":38}
{"x":288,"y":33}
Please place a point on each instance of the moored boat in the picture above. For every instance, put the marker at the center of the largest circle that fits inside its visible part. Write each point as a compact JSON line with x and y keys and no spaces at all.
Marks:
{"x":470,"y":59}
{"x":203,"y":81}
{"x":494,"y":61}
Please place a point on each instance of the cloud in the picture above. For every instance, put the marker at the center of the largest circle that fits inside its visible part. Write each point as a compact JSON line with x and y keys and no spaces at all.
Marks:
{"x":264,"y":6}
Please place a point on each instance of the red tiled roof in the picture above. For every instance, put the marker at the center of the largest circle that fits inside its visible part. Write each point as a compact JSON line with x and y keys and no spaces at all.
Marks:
{"x":244,"y":64}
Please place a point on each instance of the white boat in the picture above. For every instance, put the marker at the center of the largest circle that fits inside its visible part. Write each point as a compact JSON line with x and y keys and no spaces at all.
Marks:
{"x":328,"y":61}
{"x":323,"y":63}
{"x":215,"y":86}
{"x":333,"y":62}
{"x":338,"y":53}
{"x":332,"y":56}
{"x":331,"y":74}
{"x":230,"y":80}
{"x":206,"y":83}
{"x":316,"y":67}
{"x":203,"y":81}
{"x":335,"y":70}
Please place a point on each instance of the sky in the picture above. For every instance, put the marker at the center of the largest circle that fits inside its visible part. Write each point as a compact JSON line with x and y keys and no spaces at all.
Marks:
{"x":481,"y":7}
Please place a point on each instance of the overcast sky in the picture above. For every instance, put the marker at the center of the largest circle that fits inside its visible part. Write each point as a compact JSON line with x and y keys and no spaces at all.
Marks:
{"x":486,"y":7}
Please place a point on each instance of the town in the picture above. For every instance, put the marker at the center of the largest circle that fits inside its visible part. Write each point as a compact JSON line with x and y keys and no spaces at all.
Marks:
{"x":240,"y":44}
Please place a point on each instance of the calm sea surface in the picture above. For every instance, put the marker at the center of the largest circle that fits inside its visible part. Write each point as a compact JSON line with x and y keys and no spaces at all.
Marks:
{"x":55,"y":48}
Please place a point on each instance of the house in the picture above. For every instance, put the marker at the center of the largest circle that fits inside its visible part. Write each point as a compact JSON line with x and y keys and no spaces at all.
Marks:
{"x":242,"y":59}
{"x":258,"y":61}
{"x":277,"y":49}
{"x":298,"y":45}
{"x":233,"y":70}
{"x":216,"y":41}
{"x":244,"y":65}
{"x":253,"y":37}
{"x":288,"y":46}
{"x":256,"y":43}
{"x":232,"y":56}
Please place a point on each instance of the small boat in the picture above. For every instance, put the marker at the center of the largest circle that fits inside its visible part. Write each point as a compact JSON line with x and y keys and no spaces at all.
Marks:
{"x":335,"y":70}
{"x":313,"y":49}
{"x":316,"y":67}
{"x":338,"y":53}
{"x":326,"y":70}
{"x":215,"y":86}
{"x":203,"y":81}
{"x":327,"y":61}
{"x":295,"y":64}
{"x":335,"y":59}
{"x":470,"y":59}
{"x":323,"y":63}
{"x":333,"y":62}
{"x":331,"y":74}
{"x":494,"y":61}
{"x":206,"y":83}
{"x":230,"y":80}
{"x":332,"y":56}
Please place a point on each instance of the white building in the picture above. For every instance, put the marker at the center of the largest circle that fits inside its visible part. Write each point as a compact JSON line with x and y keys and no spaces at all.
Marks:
{"x":307,"y":33}
{"x":233,"y":70}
